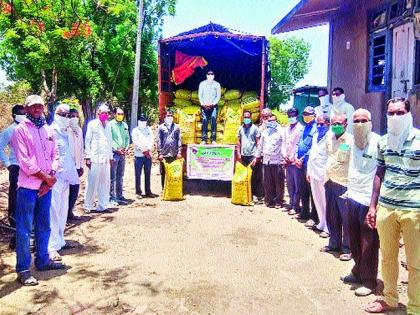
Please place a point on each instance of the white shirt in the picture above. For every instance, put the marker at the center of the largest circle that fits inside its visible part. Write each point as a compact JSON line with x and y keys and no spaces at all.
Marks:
{"x":323,"y":109}
{"x":143,"y":140}
{"x":209,"y":92}
{"x":272,"y":145}
{"x":5,"y":141}
{"x":318,"y":158}
{"x":67,"y":171}
{"x":362,"y":170}
{"x":76,"y":145}
{"x":98,"y":142}
{"x":346,"y":109}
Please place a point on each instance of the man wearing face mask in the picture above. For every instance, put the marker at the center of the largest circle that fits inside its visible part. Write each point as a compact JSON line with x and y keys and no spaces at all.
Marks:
{"x":169,"y":145}
{"x":143,"y":140}
{"x":301,"y":161}
{"x":395,"y":205}
{"x":364,"y":242}
{"x":339,"y":143}
{"x":66,"y":174}
{"x":36,"y":152}
{"x":341,"y":107}
{"x":292,"y":135}
{"x":209,"y":93}
{"x":316,"y":172}
{"x":9,"y":161}
{"x":266,"y":113}
{"x":248,"y":139}
{"x":324,"y":107}
{"x":98,"y":158}
{"x":271,"y":150}
{"x":120,"y":143}
{"x":75,"y":134}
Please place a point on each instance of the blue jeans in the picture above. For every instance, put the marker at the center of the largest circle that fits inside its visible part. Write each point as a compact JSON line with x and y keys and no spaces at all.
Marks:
{"x":32,"y":209}
{"x":117,"y":174}
{"x":140,"y":163}
{"x":206,"y":115}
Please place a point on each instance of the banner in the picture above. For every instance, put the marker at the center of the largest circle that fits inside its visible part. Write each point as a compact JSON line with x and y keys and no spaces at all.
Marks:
{"x":210,"y":162}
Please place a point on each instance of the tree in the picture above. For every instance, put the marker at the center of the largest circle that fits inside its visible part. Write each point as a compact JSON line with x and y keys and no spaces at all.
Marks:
{"x":9,"y":96}
{"x":289,"y":64}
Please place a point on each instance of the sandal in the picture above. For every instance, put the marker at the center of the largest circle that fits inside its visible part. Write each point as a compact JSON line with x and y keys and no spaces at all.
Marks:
{"x":55,"y":256}
{"x":327,"y":249}
{"x":345,"y":257}
{"x":378,"y":306}
{"x":26,"y":279}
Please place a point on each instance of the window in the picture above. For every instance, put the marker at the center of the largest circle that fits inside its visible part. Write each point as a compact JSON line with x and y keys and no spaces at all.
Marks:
{"x":378,"y":61}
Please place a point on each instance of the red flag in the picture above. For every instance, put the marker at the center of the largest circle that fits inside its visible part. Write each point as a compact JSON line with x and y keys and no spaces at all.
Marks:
{"x":185,"y":66}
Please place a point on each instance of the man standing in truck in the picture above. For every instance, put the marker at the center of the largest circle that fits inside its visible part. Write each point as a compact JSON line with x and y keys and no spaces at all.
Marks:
{"x":209,"y":93}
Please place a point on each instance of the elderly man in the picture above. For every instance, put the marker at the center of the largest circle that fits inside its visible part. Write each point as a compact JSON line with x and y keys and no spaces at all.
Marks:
{"x":341,"y":107}
{"x":316,"y":171}
{"x":75,"y":134}
{"x":66,"y":174}
{"x":169,"y":145}
{"x":9,"y":161}
{"x":266,"y":113}
{"x":396,"y":188}
{"x":271,"y":149}
{"x":339,"y":144}
{"x":209,"y":93}
{"x":98,"y":158}
{"x":324,"y":107}
{"x":36,"y":151}
{"x":120,"y":143}
{"x":292,"y":135}
{"x":364,"y":242}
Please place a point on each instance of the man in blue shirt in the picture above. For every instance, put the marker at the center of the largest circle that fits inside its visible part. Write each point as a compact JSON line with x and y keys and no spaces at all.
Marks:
{"x":302,"y":157}
{"x":9,"y":161}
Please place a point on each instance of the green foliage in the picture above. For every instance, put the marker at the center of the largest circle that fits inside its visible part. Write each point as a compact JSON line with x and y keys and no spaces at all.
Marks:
{"x":289,"y":64}
{"x":10,"y":96}
{"x":85,"y":48}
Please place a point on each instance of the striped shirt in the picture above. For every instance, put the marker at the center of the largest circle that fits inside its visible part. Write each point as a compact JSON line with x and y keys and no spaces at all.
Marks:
{"x":401,"y":185}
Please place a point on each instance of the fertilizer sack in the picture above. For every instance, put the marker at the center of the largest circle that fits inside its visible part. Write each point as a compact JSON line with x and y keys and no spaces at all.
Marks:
{"x":241,"y":185}
{"x":183,"y":94}
{"x":232,"y":94}
{"x":173,"y":181}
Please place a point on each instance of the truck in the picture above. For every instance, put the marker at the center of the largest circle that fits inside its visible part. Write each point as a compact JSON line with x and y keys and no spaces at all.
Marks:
{"x":240,"y":61}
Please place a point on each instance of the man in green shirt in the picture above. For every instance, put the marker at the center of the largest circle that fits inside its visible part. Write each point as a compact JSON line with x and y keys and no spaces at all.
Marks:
{"x":120,"y":143}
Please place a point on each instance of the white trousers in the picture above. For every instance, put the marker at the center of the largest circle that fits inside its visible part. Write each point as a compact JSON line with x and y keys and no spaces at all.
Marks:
{"x":58,"y":214}
{"x":98,"y":184}
{"x":318,"y":193}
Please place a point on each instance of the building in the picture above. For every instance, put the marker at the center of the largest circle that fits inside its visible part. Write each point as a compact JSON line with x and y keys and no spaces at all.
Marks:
{"x":374,"y":49}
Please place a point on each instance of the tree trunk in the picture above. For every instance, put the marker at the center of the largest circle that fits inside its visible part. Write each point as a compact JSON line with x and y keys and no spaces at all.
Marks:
{"x":136,"y":81}
{"x":88,"y":113}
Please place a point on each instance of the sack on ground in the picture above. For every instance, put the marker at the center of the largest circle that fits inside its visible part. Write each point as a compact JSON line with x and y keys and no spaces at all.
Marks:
{"x":241,"y":185}
{"x":173,"y":180}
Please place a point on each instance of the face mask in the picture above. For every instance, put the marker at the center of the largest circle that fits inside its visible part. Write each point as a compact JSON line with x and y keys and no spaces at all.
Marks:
{"x":210,"y":77}
{"x":308,"y":119}
{"x":103,"y":117}
{"x":361,"y":132}
{"x":74,"y":122}
{"x":323,"y":100}
{"x":338,"y":129}
{"x":142,"y":124}
{"x":271,"y":124}
{"x":292,"y":120}
{"x":119,"y":117}
{"x":338,"y":99}
{"x":62,"y":122}
{"x":322,"y":130}
{"x":398,"y":130}
{"x":247,"y":121}
{"x":169,"y":121}
{"x":397,"y":124}
{"x":19,"y":118}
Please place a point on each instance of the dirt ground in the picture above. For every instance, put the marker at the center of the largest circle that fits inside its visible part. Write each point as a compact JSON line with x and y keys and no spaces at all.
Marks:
{"x":202,"y":255}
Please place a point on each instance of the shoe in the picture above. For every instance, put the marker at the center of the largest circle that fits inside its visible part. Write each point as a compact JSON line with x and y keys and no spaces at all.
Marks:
{"x":26,"y":278}
{"x":151,"y":195}
{"x":203,"y":142}
{"x":324,"y":234}
{"x":123,"y":199}
{"x":310,"y":224}
{"x":122,"y":202}
{"x":113,"y":202}
{"x":213,"y":143}
{"x":278,"y":206}
{"x":327,"y":249}
{"x":139,"y":196}
{"x":292,"y":212}
{"x":51,"y":265}
{"x":363,"y":291}
{"x":270,"y":206}
{"x":350,"y":278}
{"x":55,"y":256}
{"x":345,"y":257}
{"x":297,"y":216}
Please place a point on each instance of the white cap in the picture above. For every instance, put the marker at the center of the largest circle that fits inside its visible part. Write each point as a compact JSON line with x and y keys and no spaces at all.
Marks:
{"x":103,"y":108}
{"x":33,"y":99}
{"x":62,"y":107}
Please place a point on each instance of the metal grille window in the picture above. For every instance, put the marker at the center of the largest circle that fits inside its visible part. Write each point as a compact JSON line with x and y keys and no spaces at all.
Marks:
{"x":378,"y":61}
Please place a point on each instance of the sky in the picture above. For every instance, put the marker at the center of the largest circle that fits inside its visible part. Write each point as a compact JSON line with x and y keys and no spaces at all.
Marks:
{"x":256,"y":17}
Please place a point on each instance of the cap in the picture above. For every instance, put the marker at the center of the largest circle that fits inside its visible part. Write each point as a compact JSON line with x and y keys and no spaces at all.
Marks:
{"x":33,"y":99}
{"x":63,"y":107}
{"x":292,"y":110}
{"x":309,"y":110}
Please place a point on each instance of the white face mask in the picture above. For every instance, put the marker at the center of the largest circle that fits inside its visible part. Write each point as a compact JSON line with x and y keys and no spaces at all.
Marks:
{"x":398,"y":130}
{"x":337,"y":100}
{"x":74,"y":122}
{"x":142,"y":124}
{"x":169,"y":121}
{"x":19,"y":118}
{"x":210,"y":77}
{"x":62,"y":122}
{"x":361,"y":133}
{"x":324,"y":100}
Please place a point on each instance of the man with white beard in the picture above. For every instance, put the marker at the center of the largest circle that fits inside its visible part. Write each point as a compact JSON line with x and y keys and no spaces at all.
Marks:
{"x":98,"y":157}
{"x":395,"y":205}
{"x":324,"y":107}
{"x":66,"y":174}
{"x":364,"y":242}
{"x":341,"y":107}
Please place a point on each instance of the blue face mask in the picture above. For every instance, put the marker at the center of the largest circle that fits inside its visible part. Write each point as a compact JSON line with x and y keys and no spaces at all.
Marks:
{"x":322,"y":130}
{"x":271,"y":124}
{"x":292,"y":120}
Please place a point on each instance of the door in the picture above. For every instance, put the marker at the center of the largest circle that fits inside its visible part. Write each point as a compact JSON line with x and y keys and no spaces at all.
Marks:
{"x":403,"y":60}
